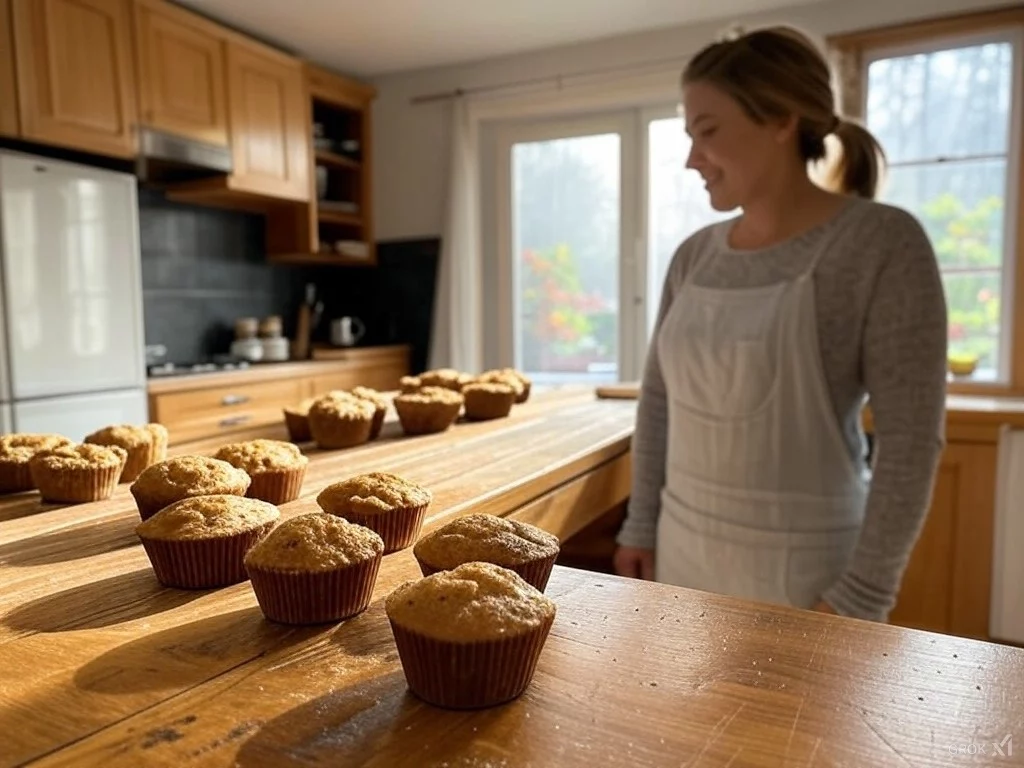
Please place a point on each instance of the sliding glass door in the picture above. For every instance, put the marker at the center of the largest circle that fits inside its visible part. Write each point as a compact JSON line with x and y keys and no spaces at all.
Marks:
{"x":590,"y":212}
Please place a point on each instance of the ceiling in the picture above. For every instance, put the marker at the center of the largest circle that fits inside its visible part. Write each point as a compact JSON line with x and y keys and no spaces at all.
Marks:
{"x":370,"y":38}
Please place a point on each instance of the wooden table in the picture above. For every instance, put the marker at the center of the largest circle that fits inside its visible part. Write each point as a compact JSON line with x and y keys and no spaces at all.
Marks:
{"x":99,"y":665}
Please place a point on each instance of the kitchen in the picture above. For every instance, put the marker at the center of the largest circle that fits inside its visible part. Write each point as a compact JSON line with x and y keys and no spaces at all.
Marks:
{"x":212,"y":148}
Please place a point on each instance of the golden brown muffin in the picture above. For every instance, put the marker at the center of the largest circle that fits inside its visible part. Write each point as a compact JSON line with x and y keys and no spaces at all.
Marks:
{"x":488,"y":400}
{"x":409,"y":384}
{"x":183,"y":477}
{"x":276,"y":468}
{"x":446,"y":378}
{"x":16,"y":450}
{"x":341,"y":420}
{"x":469,"y":637}
{"x":200,"y":542}
{"x":146,"y":444}
{"x":76,"y":474}
{"x":428,"y":411}
{"x":526,"y":549}
{"x":381,"y":501}
{"x":315,"y":568}
{"x":515,"y":379}
{"x":296,"y":420}
{"x":380,"y":403}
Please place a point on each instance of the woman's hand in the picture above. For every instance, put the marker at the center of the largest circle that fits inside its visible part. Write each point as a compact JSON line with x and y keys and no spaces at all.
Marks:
{"x":634,"y":562}
{"x":823,"y":607}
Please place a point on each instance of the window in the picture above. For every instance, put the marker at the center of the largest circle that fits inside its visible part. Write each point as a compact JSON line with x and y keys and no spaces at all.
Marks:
{"x":944,"y":100}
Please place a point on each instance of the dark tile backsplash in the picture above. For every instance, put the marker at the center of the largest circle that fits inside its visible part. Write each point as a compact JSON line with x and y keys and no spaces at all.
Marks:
{"x":202,"y":268}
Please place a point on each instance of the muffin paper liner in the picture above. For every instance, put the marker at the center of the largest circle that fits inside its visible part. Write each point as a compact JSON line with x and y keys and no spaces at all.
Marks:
{"x":536,"y":572}
{"x":314,"y":597}
{"x":16,"y":477}
{"x":378,"y":423}
{"x":399,"y":527}
{"x":334,"y":433}
{"x":470,"y":675}
{"x":202,"y":563}
{"x":486,"y":406}
{"x":298,"y":427}
{"x":78,"y":486}
{"x":277,"y":486}
{"x":422,"y":419}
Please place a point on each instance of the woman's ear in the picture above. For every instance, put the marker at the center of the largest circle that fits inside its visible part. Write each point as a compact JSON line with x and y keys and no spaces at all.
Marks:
{"x":786,"y":128}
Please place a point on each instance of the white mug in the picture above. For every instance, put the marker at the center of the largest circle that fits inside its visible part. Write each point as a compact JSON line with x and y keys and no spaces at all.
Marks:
{"x":346,"y":331}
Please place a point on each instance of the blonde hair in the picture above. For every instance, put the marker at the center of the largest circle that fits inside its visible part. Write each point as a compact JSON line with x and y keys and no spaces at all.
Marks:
{"x":776,"y":72}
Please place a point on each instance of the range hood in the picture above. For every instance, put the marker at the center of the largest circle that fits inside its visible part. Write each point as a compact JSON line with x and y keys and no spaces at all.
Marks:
{"x":166,"y":158}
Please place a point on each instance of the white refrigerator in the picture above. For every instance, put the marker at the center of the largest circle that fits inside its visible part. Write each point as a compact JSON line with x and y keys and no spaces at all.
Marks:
{"x":72,"y":349}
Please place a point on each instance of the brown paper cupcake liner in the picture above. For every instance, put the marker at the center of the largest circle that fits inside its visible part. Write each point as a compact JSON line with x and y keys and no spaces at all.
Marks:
{"x":525,"y":394}
{"x":536,"y":572}
{"x":418,"y":419}
{"x":78,"y":486}
{"x":332,"y":434}
{"x":16,"y":477}
{"x":469,"y":675}
{"x":378,"y":423}
{"x":319,"y":597}
{"x":488,"y":406}
{"x":399,"y":528}
{"x":277,"y":486}
{"x":298,"y":427}
{"x":138,"y":459}
{"x":202,"y":563}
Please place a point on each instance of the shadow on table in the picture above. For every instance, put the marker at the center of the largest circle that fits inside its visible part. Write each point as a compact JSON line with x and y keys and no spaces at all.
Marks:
{"x":379,"y":723}
{"x":102,"y":603}
{"x":368,"y":634}
{"x":74,"y":543}
{"x":187,"y":654}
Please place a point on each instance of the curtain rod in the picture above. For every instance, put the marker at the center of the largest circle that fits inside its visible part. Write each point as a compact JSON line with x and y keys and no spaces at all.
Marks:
{"x":557,"y":79}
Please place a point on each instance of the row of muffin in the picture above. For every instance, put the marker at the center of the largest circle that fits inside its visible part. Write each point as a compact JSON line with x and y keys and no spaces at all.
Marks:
{"x":480,"y":607}
{"x":427,"y":404}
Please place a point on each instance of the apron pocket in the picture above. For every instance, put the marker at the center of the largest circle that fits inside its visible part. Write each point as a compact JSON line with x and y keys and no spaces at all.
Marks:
{"x":813,"y":567}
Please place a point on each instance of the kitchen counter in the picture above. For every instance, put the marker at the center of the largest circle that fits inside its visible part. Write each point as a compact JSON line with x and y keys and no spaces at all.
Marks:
{"x":99,"y":665}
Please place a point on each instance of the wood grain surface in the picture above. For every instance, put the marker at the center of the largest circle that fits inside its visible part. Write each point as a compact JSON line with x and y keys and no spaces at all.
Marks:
{"x":100,"y":665}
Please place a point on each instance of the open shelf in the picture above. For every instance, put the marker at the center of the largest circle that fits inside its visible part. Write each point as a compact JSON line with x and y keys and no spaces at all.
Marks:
{"x":339,"y":217}
{"x":320,"y":260}
{"x":334,"y":160}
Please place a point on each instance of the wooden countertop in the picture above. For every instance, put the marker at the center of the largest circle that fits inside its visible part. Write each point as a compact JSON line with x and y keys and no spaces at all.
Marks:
{"x":258,"y":372}
{"x":99,"y":665}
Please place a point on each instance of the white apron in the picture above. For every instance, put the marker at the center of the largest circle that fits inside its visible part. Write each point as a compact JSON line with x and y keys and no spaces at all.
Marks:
{"x":762,"y":499}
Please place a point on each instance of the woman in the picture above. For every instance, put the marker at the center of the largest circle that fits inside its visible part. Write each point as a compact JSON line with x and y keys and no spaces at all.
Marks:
{"x":750,"y":477}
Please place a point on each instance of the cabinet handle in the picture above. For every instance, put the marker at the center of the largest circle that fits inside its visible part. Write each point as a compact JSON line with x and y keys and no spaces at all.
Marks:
{"x":234,"y":399}
{"x":234,"y":421}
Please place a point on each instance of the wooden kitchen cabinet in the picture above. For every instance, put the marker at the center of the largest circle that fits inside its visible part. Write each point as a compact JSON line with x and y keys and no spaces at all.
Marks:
{"x":75,"y":75}
{"x":181,"y":72}
{"x":8,"y":78}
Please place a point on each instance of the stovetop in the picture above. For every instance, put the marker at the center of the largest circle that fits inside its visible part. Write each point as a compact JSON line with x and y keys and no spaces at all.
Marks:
{"x":156,"y":370}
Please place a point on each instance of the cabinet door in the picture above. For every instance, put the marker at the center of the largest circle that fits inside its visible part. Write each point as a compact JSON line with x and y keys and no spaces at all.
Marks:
{"x":8,"y":87}
{"x":269,"y":121}
{"x":75,"y":76}
{"x":181,"y":73}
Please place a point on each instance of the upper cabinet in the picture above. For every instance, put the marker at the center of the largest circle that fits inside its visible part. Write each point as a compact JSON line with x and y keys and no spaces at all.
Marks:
{"x":269,"y":122}
{"x":75,"y":77}
{"x":8,"y":86}
{"x":181,"y":72}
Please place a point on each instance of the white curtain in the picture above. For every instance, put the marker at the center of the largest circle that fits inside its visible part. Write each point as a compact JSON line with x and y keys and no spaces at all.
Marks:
{"x":456,"y":337}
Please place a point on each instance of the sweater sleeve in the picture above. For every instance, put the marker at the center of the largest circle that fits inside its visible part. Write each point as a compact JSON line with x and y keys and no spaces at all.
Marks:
{"x":649,"y":436}
{"x":904,"y":366}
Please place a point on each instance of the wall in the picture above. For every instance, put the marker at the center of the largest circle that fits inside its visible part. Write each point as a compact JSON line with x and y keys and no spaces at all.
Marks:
{"x":411,"y":141}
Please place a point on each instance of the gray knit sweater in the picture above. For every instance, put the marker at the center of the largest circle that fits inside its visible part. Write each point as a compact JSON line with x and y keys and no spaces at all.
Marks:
{"x":882,"y":329}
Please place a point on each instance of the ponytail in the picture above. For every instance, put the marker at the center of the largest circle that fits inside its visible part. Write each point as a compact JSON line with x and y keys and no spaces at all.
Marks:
{"x":861,"y":163}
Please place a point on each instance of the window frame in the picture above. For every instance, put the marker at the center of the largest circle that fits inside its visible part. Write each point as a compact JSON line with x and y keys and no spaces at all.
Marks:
{"x":853,"y":53}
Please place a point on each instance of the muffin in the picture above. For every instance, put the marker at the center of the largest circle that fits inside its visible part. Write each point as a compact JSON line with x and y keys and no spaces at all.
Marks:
{"x":446,"y":378}
{"x":515,"y":379}
{"x":383,"y":502}
{"x":470,"y":637}
{"x":183,"y":477}
{"x":276,"y":468}
{"x":296,"y":420}
{"x":146,"y":444}
{"x":428,"y":411}
{"x":341,"y":420}
{"x":521,"y":547}
{"x":76,"y":474}
{"x":200,"y":542}
{"x":380,"y":403}
{"x":16,"y":450}
{"x":488,"y":400}
{"x":314,"y":568}
{"x":409,"y":384}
